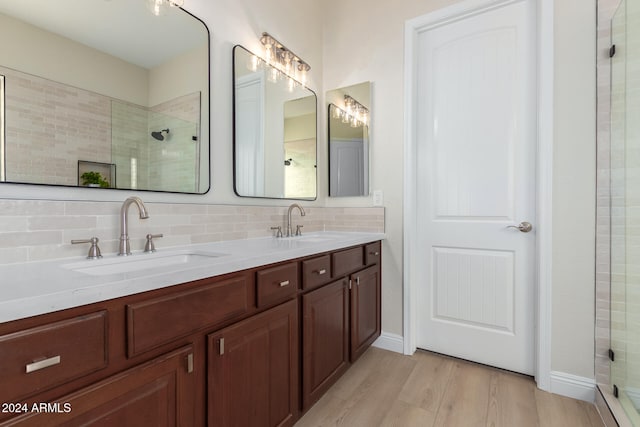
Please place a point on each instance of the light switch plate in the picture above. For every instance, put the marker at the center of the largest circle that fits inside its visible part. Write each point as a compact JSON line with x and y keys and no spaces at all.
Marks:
{"x":378,"y":198}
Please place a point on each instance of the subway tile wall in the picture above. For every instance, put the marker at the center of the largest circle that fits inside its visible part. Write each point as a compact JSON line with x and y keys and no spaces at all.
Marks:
{"x":35,"y":230}
{"x":52,"y":125}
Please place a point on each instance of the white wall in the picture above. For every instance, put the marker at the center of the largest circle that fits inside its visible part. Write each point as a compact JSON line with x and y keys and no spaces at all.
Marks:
{"x":574,"y":185}
{"x":94,"y":70}
{"x":364,"y":41}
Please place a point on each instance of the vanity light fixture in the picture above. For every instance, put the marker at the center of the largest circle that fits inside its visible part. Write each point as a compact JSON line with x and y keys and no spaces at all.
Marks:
{"x":284,"y":63}
{"x":157,"y":7}
{"x":354,"y":113}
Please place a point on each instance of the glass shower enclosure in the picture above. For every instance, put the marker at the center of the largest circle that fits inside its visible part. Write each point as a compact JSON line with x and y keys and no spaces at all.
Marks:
{"x":625,"y":208}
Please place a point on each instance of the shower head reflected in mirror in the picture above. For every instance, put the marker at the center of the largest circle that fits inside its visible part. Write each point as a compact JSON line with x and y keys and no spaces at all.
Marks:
{"x":160,"y":135}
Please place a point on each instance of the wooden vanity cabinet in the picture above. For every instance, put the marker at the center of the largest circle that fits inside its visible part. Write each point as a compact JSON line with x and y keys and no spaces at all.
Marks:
{"x":365,"y":326}
{"x":340,"y":320}
{"x":325,"y":339}
{"x":249,"y":348}
{"x":42,"y":357}
{"x":157,"y":393}
{"x":253,"y":370}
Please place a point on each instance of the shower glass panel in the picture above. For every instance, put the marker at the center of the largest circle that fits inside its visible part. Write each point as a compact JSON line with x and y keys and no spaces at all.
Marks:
{"x":625,"y":208}
{"x":153,"y":150}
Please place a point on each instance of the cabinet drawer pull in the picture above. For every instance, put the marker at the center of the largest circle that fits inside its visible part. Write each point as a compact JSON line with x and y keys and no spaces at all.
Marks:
{"x":321,"y":272}
{"x":358,"y":280}
{"x":41,"y":364}
{"x":285,"y":283}
{"x":190,"y":363}
{"x":374,"y":253}
{"x":221,"y":347}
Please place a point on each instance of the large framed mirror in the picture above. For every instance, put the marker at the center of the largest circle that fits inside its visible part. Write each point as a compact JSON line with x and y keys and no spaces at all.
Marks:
{"x":275,"y":143}
{"x":349,"y":119}
{"x":104,"y":94}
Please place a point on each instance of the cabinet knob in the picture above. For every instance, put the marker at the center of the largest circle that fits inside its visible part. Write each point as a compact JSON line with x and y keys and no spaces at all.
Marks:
{"x":285,"y":283}
{"x":321,"y":272}
{"x":374,"y":253}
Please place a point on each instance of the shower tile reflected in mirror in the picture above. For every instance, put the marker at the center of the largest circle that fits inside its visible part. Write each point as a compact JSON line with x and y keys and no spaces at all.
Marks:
{"x":157,"y":149}
{"x":349,"y":119}
{"x":108,"y":97}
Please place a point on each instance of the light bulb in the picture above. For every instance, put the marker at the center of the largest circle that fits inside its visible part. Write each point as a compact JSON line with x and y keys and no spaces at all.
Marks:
{"x":155,"y":6}
{"x":302,"y":72}
{"x":336,"y":112}
{"x":273,"y":74}
{"x":253,"y":63}
{"x":287,"y":57}
{"x":268,"y":54}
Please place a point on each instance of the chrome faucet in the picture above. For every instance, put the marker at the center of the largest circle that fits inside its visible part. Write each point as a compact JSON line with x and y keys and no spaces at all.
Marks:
{"x":124,"y":249}
{"x":302,"y":213}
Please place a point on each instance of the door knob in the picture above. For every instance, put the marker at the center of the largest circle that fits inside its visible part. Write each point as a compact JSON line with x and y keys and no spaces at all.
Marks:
{"x":524,"y":226}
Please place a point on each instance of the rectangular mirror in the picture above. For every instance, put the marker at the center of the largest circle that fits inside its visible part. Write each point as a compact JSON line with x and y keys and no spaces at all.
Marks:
{"x":104,"y":94}
{"x":274,"y":132}
{"x":349,"y":118}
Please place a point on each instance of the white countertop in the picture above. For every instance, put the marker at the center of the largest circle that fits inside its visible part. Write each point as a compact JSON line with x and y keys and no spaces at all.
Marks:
{"x":34,"y":288}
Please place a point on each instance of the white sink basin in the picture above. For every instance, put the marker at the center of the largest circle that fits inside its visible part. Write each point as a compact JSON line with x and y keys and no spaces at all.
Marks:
{"x":316,"y":238}
{"x":141,"y":262}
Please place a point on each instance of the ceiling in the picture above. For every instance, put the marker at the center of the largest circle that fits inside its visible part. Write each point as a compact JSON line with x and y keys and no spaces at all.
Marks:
{"x":122,"y":28}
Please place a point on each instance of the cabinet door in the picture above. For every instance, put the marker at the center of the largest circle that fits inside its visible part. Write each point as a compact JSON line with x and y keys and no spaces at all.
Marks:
{"x":157,"y":393}
{"x":325,"y":354}
{"x":365,"y":310}
{"x":253,"y":370}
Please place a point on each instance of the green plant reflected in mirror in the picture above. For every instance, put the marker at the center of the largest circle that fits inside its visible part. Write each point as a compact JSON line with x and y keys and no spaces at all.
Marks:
{"x":274,"y":132}
{"x":94,"y":82}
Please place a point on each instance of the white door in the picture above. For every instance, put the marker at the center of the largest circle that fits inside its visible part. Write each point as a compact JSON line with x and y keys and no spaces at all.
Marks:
{"x":346,"y":163}
{"x":249,"y":134}
{"x":476,"y":137}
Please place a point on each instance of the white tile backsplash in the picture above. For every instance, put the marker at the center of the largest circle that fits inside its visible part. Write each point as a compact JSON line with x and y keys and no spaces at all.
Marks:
{"x":41,"y":230}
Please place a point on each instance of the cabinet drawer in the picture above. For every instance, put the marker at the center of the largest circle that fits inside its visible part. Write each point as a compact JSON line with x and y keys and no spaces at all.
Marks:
{"x":316,"y":272}
{"x":346,"y":261}
{"x":372,"y":253}
{"x":161,"y":320}
{"x":277,"y":284}
{"x":43,"y":357}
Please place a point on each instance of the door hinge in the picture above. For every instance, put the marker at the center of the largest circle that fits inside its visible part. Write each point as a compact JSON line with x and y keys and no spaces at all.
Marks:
{"x":615,"y":390}
{"x":612,"y":51}
{"x":612,"y":355}
{"x":221,"y":349}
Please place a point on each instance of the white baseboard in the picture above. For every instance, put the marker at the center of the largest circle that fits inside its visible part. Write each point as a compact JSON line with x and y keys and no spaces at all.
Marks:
{"x":573,"y":386}
{"x":391,"y":342}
